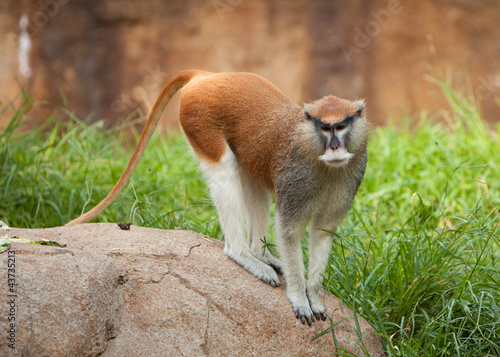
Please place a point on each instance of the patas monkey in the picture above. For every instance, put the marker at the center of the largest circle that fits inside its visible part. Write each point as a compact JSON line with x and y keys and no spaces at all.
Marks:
{"x":252,"y":140}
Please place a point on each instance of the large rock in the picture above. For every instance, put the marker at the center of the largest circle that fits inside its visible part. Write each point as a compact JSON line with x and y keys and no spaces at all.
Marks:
{"x":150,"y":292}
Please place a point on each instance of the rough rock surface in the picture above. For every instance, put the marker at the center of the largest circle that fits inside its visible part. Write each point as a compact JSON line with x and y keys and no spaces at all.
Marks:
{"x":151,"y":292}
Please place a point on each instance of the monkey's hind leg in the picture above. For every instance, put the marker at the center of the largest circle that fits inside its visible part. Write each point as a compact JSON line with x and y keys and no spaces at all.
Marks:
{"x":257,"y":200}
{"x":227,"y":195}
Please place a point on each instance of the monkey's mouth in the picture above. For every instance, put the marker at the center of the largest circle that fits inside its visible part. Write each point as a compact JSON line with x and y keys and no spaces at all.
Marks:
{"x":336,"y":158}
{"x":336,"y":163}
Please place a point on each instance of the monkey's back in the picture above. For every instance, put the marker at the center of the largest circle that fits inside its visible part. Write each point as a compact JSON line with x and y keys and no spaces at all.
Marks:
{"x":244,"y":112}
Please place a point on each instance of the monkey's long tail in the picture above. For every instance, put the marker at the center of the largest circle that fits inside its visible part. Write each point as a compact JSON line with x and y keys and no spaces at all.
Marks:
{"x":173,"y":85}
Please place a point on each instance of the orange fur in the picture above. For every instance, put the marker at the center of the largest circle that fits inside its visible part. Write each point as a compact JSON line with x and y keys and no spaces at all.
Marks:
{"x":332,"y":109}
{"x":255,"y":120}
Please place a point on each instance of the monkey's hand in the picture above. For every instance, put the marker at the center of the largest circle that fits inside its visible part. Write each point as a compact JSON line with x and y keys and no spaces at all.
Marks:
{"x":319,"y":313}
{"x":309,"y":308}
{"x":301,"y":308}
{"x":304,"y":314}
{"x":316,"y":306}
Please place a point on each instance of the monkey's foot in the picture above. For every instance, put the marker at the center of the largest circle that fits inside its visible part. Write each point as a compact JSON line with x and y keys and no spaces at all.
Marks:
{"x":257,"y":268}
{"x":273,"y":262}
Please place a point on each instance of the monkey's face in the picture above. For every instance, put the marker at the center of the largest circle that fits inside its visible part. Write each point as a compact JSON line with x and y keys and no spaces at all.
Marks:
{"x":338,"y":124}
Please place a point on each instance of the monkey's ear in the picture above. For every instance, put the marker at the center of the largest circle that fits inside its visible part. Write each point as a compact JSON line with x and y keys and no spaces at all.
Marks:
{"x":361,"y":108}
{"x":306,"y":112}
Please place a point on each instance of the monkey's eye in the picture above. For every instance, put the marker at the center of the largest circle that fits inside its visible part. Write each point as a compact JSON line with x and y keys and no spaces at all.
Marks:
{"x":325,"y":128}
{"x":340,"y":127}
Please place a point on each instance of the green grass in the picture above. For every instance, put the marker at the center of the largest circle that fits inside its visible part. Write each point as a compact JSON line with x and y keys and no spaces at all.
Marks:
{"x":58,"y":170}
{"x":418,"y":255}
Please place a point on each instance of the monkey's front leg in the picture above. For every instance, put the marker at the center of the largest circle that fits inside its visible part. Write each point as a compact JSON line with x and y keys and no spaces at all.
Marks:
{"x":320,"y":243}
{"x":288,"y":240}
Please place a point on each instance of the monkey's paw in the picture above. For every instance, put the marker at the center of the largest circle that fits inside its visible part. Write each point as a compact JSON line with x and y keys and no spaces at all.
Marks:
{"x":304,"y":314}
{"x":319,"y":313}
{"x":301,"y":307}
{"x":257,"y":268}
{"x":273,"y":262}
{"x":317,"y":307}
{"x":268,"y":275}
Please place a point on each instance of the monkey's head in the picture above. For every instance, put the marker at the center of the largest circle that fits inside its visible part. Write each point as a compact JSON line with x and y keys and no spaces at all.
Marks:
{"x":341,"y":126}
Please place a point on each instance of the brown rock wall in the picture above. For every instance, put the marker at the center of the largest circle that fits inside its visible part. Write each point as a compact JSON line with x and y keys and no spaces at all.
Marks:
{"x":113,"y":56}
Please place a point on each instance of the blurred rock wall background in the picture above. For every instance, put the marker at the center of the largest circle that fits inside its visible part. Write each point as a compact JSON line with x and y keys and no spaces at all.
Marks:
{"x":105,"y":58}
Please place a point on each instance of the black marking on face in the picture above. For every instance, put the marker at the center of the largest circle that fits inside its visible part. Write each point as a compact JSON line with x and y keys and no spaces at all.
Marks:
{"x":334,"y":143}
{"x":332,"y":139}
{"x":339,"y":126}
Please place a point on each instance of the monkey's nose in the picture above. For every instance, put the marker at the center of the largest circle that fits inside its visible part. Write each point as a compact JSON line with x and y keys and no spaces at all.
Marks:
{"x":334,"y":143}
